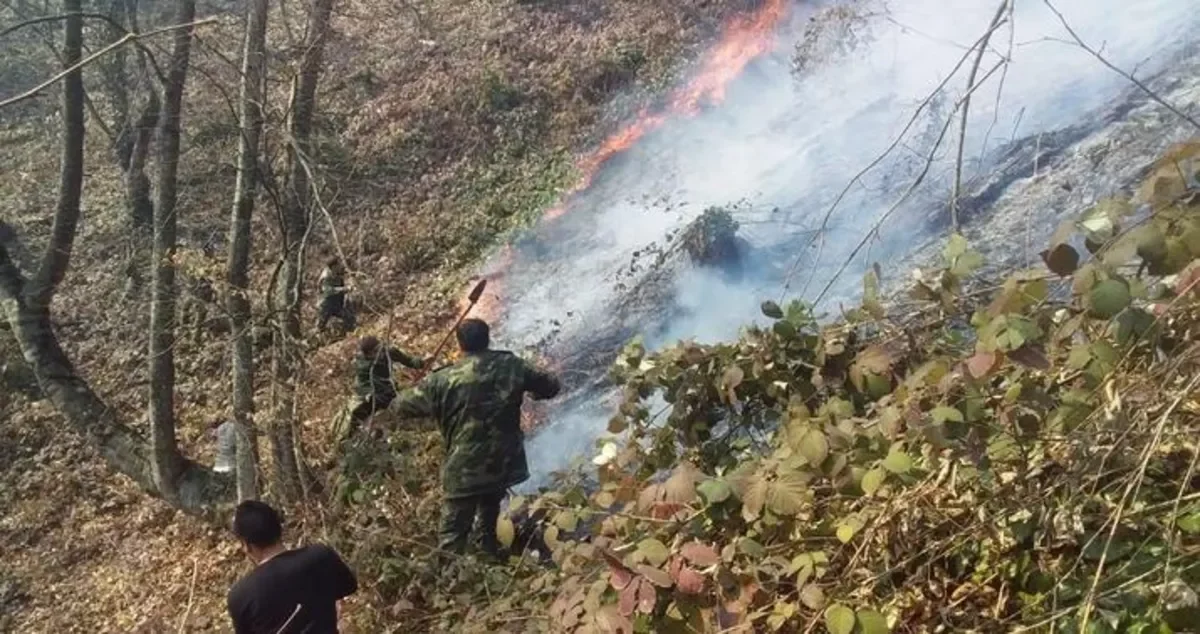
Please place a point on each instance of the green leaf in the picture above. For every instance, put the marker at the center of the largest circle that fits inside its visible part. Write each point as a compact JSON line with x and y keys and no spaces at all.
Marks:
{"x":848,"y":529}
{"x":814,"y":447}
{"x":772,"y":310}
{"x":872,"y":622}
{"x":871,"y":482}
{"x":943,"y":414}
{"x":897,"y":461}
{"x":1108,"y":298}
{"x":1189,"y":523}
{"x":655,"y":551}
{"x":751,"y":547}
{"x":714,"y":491}
{"x":839,"y":619}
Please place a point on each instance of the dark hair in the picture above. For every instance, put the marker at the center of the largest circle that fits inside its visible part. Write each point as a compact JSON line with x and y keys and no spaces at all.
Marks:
{"x":257,"y":524}
{"x":473,"y":335}
{"x":333,"y":263}
{"x":368,"y":344}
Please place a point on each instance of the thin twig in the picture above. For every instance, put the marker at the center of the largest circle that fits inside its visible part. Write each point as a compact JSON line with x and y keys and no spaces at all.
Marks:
{"x":187,"y":613}
{"x":966,"y":109}
{"x":129,"y":37}
{"x":1136,"y":82}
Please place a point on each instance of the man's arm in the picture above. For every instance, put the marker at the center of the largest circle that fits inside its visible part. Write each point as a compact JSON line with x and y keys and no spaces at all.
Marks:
{"x":399,"y":356}
{"x":419,"y":401}
{"x":540,"y":383}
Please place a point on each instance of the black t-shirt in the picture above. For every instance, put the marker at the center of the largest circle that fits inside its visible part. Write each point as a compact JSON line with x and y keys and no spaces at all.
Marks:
{"x":302,"y":585}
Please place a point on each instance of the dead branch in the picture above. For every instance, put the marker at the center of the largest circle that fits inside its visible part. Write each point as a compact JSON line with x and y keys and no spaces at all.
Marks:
{"x":966,"y":108}
{"x":1136,"y":82}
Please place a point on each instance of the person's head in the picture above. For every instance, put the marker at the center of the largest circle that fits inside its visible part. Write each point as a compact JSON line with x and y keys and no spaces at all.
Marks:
{"x":334,"y":265}
{"x":258,"y":527}
{"x":368,"y":345}
{"x":473,"y":335}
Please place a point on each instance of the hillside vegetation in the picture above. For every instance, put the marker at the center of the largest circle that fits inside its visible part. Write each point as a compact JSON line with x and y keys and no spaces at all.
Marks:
{"x":991,"y":455}
{"x":1006,"y":455}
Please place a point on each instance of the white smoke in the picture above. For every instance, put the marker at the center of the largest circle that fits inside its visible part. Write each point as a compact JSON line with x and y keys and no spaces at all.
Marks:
{"x":789,"y":146}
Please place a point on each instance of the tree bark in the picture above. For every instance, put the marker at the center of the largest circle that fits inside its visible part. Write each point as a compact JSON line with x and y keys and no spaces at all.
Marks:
{"x":167,"y":461}
{"x":253,"y":77}
{"x":25,"y":304}
{"x":66,"y":217}
{"x":295,"y":219}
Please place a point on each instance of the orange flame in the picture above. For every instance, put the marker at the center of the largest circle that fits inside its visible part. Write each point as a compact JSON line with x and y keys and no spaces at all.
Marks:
{"x":744,"y":39}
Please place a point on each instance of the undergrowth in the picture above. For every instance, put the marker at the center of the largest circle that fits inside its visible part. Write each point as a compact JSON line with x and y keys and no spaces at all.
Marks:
{"x":974,"y":457}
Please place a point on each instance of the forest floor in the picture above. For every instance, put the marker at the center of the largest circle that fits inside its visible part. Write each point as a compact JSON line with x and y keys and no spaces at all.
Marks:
{"x":436,"y":141}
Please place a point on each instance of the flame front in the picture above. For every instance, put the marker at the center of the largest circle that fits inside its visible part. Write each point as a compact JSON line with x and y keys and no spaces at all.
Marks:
{"x":744,"y":39}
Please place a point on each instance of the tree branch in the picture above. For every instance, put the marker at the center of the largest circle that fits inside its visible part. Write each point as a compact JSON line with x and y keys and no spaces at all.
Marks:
{"x":962,"y":129}
{"x":129,"y":37}
{"x":1136,"y":82}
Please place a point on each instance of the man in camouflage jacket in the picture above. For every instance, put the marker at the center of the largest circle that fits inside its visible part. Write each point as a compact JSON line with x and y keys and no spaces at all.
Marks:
{"x":477,"y":403}
{"x":373,"y":376}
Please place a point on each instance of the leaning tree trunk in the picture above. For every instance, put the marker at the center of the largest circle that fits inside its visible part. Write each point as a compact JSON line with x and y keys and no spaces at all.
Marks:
{"x":295,"y":218}
{"x":167,"y":461}
{"x":253,"y":67}
{"x":25,"y":303}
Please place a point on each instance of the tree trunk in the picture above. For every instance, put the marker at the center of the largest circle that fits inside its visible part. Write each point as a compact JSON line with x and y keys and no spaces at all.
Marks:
{"x":167,"y":461}
{"x":25,"y":304}
{"x":66,"y":216}
{"x":253,"y":67}
{"x":295,"y":218}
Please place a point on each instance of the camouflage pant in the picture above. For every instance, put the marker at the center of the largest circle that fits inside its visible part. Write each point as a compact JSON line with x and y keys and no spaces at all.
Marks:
{"x":459,"y":514}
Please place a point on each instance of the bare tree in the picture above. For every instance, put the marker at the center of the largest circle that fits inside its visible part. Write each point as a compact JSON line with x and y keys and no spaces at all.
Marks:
{"x":167,"y":461}
{"x":295,"y":219}
{"x":25,"y":301}
{"x":253,"y":79}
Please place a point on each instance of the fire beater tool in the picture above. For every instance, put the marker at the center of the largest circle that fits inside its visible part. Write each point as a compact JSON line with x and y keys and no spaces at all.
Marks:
{"x":473,"y":298}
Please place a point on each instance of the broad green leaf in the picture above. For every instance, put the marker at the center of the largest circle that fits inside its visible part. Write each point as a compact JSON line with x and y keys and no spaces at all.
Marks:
{"x":872,"y":622}
{"x":772,"y":310}
{"x":715,"y":490}
{"x":1108,"y":298}
{"x":655,"y":551}
{"x":897,"y":461}
{"x":848,"y":529}
{"x":943,"y":414}
{"x":871,"y":481}
{"x":814,"y":447}
{"x":1189,"y":523}
{"x":839,"y":619}
{"x":751,"y":547}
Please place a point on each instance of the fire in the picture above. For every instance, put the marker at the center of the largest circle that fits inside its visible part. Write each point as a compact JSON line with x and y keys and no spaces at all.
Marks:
{"x":744,"y":39}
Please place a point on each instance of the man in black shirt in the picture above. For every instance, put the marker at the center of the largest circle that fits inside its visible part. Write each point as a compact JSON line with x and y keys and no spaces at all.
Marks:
{"x":289,"y":591}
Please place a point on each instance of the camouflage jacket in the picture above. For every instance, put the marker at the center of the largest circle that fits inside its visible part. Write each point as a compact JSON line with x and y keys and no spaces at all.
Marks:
{"x":477,"y":403}
{"x":374,"y":375}
{"x":332,"y":283}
